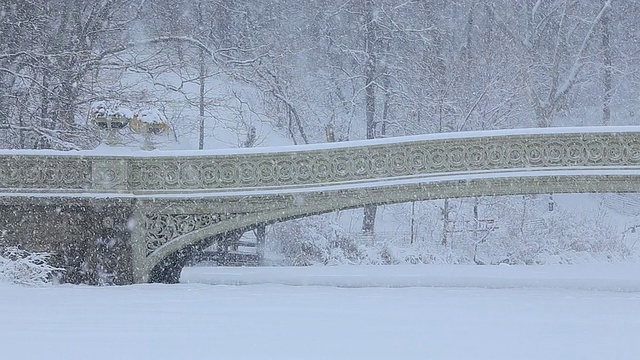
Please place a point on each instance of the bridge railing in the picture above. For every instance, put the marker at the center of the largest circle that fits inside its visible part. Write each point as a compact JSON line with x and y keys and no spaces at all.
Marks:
{"x":346,"y":163}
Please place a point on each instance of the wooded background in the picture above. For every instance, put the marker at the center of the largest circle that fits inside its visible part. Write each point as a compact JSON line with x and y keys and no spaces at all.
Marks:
{"x":361,"y":69}
{"x":316,"y":71}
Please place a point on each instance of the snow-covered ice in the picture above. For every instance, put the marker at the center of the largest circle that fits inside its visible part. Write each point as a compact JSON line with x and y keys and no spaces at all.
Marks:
{"x":455,"y":312}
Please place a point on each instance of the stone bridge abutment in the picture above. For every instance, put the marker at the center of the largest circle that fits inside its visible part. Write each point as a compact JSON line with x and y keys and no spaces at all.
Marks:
{"x":89,"y":239}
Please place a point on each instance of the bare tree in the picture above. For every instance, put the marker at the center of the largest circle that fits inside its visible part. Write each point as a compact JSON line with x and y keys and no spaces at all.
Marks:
{"x":554,"y":43}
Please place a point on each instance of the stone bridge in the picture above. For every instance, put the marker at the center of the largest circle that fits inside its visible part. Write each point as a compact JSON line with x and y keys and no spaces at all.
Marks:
{"x":138,"y":217}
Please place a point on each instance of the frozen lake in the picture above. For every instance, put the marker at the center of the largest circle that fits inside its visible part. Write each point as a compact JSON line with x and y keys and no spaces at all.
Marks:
{"x":412,"y":312}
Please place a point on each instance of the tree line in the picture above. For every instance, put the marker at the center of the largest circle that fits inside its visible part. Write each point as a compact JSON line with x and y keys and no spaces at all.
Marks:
{"x":361,"y":68}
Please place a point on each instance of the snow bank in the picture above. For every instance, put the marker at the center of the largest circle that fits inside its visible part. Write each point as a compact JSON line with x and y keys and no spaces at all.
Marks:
{"x":620,"y":277}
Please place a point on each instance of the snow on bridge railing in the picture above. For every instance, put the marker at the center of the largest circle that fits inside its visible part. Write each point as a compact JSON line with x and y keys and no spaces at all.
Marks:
{"x":355,"y":162}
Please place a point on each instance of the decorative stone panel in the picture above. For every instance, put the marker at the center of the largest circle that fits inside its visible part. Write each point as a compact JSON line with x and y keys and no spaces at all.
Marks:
{"x":109,"y":175}
{"x":21,"y":172}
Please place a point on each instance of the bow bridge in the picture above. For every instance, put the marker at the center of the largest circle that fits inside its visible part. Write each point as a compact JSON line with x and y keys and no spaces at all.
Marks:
{"x":137,"y":217}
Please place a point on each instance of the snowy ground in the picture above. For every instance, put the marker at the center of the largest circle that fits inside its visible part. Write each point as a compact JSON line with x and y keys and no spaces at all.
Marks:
{"x":412,"y":312}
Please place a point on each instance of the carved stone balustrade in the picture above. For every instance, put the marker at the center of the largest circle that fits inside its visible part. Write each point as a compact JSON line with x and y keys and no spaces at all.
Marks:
{"x":345,"y":164}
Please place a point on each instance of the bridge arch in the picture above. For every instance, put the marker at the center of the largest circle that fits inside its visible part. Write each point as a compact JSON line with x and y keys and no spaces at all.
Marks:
{"x":441,"y":187}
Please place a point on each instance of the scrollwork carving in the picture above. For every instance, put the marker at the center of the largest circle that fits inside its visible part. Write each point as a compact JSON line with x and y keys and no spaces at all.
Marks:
{"x":44,"y":172}
{"x":109,"y":175}
{"x":389,"y":160}
{"x":163,"y":228}
{"x":314,"y":166}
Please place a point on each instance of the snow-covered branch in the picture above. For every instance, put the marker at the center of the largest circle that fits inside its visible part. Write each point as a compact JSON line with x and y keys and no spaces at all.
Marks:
{"x":26,"y":268}
{"x":577,"y":63}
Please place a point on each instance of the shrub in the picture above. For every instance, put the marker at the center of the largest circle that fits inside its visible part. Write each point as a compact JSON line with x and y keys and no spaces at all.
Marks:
{"x":27,"y":268}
